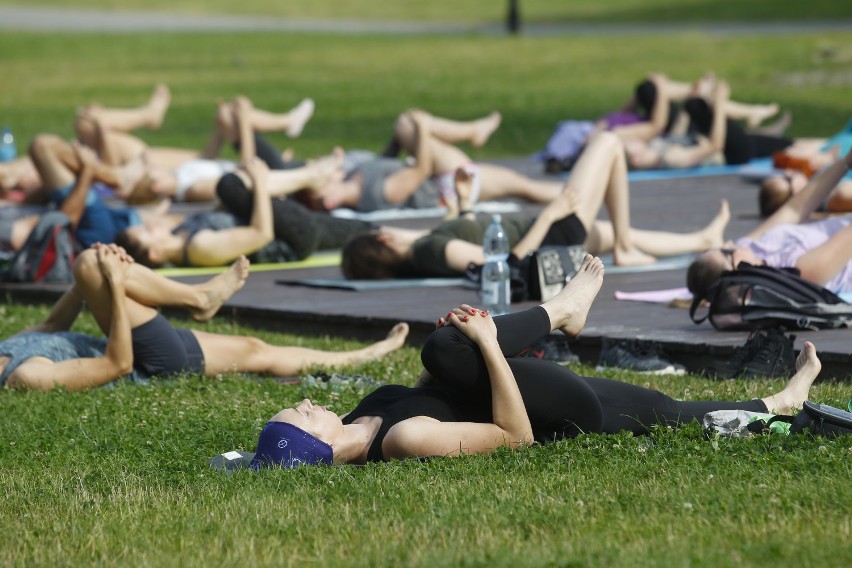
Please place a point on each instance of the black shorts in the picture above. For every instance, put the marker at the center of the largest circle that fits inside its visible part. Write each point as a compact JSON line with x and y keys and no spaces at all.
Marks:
{"x":160,"y":349}
{"x":568,"y":231}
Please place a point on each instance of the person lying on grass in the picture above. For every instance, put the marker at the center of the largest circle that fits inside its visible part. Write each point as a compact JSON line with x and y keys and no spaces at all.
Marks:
{"x":141,"y":343}
{"x":599,"y":177}
{"x":820,"y":250}
{"x":476,"y":396}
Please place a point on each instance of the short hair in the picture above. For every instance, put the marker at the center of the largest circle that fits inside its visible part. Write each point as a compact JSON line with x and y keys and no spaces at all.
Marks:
{"x":772,"y":196}
{"x":702,"y":273}
{"x":365,"y":257}
{"x":136,"y":249}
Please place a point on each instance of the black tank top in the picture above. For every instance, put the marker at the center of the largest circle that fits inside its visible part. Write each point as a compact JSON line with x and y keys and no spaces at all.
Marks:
{"x":395,"y":403}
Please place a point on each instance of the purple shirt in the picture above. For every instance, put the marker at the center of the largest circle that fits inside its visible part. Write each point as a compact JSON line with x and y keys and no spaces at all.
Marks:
{"x":782,"y":246}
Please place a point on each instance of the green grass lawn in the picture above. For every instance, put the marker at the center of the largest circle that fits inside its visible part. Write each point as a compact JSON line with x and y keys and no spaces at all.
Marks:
{"x":479,"y":12}
{"x":119,"y":476}
{"x":361,"y":83}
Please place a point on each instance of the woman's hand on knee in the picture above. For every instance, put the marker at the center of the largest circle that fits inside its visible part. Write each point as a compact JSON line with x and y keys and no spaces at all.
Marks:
{"x":463,"y":312}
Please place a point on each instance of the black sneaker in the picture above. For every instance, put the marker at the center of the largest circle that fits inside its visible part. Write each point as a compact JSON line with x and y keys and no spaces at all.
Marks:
{"x":644,"y":358}
{"x":550,"y":349}
{"x":766,"y":353}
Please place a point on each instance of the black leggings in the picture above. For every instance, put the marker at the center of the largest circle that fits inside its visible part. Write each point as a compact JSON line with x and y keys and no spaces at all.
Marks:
{"x":740,"y":146}
{"x":559,"y":402}
{"x":305,"y":231}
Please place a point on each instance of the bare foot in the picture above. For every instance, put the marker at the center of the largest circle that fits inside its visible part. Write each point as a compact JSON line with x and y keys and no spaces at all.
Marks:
{"x":796,"y":392}
{"x":631,"y":257}
{"x":569,"y":308}
{"x":299,"y":117}
{"x":714,"y":233}
{"x":216,"y":291}
{"x":485,"y":127}
{"x":394,"y":340}
{"x":327,"y":168}
{"x":761,"y":113}
{"x":158,"y":104}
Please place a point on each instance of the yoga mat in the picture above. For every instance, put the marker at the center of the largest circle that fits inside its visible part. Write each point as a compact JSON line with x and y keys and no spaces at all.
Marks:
{"x":486,"y":207}
{"x":670,"y":263}
{"x":652,"y":175}
{"x":655,"y":296}
{"x":314,"y":261}
{"x":371,"y":285}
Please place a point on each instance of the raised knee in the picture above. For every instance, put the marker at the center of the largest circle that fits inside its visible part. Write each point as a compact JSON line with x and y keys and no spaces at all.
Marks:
{"x":43,"y":145}
{"x":404,"y":128}
{"x":86,"y":266}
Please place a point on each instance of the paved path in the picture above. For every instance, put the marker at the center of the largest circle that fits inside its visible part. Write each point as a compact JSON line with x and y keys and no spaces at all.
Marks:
{"x":79,"y":20}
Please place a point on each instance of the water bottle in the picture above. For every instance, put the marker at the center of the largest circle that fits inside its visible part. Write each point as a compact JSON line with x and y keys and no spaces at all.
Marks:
{"x":8,"y":150}
{"x":496,"y":293}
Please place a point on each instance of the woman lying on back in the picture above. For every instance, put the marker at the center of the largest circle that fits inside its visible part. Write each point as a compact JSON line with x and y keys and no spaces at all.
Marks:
{"x":478,"y":396}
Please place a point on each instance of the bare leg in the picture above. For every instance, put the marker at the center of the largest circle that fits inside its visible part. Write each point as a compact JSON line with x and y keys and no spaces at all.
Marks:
{"x":150,"y":115}
{"x":224,"y":353}
{"x":600,"y":175}
{"x":97,"y":293}
{"x":57,"y":163}
{"x":753,"y":114}
{"x":796,"y":392}
{"x":148,"y":288}
{"x":476,"y":132}
{"x":569,"y":308}
{"x":663,"y":243}
{"x":314,"y":175}
{"x":498,"y":182}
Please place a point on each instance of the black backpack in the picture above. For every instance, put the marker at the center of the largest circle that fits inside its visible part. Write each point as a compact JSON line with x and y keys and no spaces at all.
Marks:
{"x":754,"y":297}
{"x":47,"y":255}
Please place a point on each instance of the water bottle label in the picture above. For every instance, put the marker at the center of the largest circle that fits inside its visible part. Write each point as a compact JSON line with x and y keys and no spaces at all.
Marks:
{"x":495,"y":293}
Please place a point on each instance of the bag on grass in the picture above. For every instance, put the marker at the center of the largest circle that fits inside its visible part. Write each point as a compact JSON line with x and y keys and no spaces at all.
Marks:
{"x":47,"y":255}
{"x":814,"y":418}
{"x":754,"y":297}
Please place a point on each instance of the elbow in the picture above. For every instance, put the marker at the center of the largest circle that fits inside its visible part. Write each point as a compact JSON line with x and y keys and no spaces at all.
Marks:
{"x":522,"y":441}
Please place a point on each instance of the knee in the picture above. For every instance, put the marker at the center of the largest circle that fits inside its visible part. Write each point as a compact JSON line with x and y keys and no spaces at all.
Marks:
{"x":86,"y":267}
{"x":404,"y":130}
{"x":43,"y":146}
{"x":440,"y":350}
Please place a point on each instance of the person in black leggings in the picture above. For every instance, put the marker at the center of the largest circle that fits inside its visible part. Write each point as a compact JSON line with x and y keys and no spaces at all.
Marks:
{"x":478,"y":396}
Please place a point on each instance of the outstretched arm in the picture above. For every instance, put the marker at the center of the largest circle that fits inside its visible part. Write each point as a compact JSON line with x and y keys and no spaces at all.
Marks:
{"x":800,"y":207}
{"x":63,"y":314}
{"x":511,"y":426}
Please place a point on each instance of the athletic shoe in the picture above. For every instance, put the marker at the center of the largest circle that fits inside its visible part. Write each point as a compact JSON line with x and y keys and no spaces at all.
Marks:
{"x":643,"y":358}
{"x":550,"y":349}
{"x":334,"y":381}
{"x":766,"y":353}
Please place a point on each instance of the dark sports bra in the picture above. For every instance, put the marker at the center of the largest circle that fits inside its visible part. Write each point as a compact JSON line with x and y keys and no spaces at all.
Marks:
{"x":395,"y":403}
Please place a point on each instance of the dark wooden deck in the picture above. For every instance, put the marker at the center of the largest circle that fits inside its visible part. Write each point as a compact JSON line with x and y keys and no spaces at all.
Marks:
{"x":672,"y":204}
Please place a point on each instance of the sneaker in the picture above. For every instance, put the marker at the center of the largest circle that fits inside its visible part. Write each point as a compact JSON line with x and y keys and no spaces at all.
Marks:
{"x":766,"y":353}
{"x":643,"y":358}
{"x":550,"y":349}
{"x":334,"y":381}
